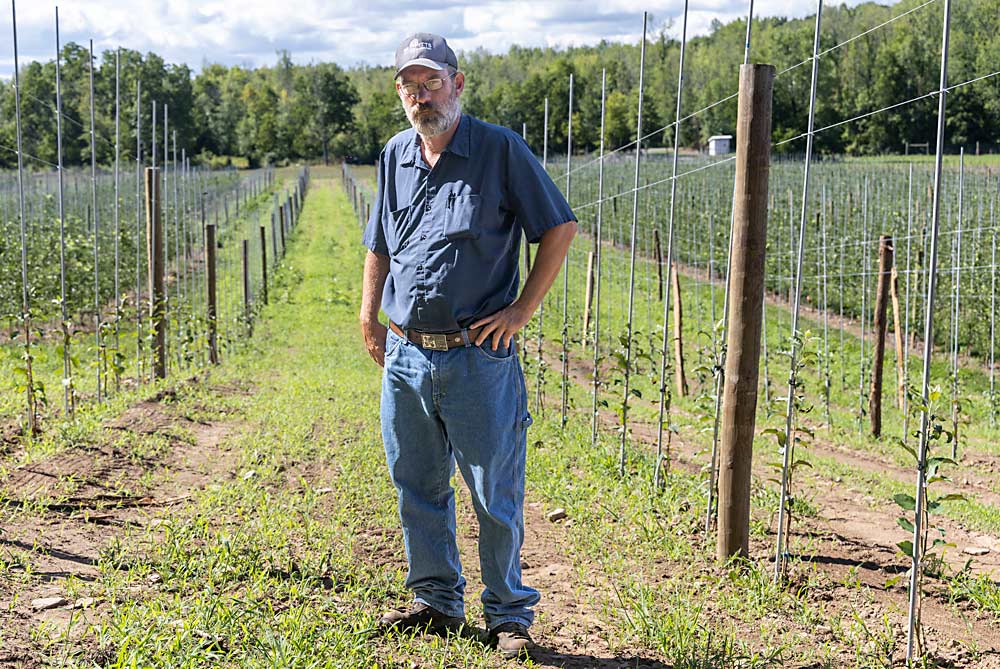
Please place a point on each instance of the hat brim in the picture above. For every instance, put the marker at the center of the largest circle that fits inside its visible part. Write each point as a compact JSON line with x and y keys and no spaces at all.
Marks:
{"x":425,"y":62}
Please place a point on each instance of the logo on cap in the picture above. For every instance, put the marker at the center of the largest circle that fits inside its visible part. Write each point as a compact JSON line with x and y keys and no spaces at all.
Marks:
{"x":417,"y":44}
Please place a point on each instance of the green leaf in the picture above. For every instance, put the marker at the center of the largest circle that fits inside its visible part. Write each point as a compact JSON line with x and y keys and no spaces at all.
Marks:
{"x":905,"y":524}
{"x":778,"y":434}
{"x":952,"y":497}
{"x":906,"y":547}
{"x":905,"y":501}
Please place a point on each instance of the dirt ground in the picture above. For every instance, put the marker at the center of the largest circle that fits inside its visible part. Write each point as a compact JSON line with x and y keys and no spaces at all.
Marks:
{"x":99,"y":494}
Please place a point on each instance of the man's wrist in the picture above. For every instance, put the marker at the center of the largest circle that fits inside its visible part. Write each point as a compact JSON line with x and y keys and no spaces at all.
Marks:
{"x":524,"y":308}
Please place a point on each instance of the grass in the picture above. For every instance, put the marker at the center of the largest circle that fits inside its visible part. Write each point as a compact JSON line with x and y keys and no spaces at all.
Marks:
{"x":971,"y":160}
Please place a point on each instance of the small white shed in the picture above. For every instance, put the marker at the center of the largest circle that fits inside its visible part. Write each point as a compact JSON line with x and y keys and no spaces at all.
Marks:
{"x":720,"y":145}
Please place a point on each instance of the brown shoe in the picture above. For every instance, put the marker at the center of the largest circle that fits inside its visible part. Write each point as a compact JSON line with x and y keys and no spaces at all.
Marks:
{"x":512,"y":640}
{"x":420,"y":616}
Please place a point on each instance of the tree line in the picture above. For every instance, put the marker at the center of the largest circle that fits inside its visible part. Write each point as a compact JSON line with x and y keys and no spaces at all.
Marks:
{"x":320,"y":111}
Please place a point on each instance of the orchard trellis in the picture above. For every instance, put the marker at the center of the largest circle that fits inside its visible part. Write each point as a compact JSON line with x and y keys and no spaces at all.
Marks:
{"x":822,"y":264}
{"x":72,"y":225}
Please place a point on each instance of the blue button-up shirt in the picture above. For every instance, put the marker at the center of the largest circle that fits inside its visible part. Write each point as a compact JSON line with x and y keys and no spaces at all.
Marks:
{"x":453,"y":233}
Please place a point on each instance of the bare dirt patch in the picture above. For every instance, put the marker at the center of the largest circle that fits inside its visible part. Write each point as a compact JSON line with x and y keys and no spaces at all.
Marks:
{"x":59,"y":514}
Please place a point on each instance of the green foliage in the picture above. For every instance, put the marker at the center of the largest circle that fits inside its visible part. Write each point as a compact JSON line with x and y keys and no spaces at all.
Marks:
{"x":292,"y":112}
{"x":267,"y":115}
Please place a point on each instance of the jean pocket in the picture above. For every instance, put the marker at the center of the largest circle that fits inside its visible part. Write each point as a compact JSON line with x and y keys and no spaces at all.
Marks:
{"x":501,"y":354}
{"x":392,"y":343}
{"x":461,"y":216}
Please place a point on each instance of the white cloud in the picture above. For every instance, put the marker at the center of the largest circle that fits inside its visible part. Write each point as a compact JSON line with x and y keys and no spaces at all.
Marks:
{"x":349,"y":33}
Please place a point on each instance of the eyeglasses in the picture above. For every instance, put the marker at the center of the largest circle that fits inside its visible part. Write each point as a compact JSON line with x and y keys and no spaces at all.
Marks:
{"x":413,"y":89}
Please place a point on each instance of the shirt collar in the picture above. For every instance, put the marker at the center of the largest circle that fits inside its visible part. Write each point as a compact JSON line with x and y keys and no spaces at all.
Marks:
{"x":459,"y":144}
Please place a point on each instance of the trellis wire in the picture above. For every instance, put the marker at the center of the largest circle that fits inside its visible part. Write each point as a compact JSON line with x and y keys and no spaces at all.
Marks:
{"x":179,"y":274}
{"x":97,"y":227}
{"x":168,"y":306}
{"x":631,"y":277}
{"x":779,"y":555}
{"x":63,"y":308}
{"x":993,"y":312}
{"x":864,"y":310}
{"x":138,"y":229}
{"x":565,"y":297}
{"x":956,"y":298}
{"x":663,"y":409}
{"x":928,"y":343}
{"x":906,"y":307}
{"x":826,"y":316}
{"x":598,"y":242}
{"x":118,"y":298}
{"x":25,"y":305}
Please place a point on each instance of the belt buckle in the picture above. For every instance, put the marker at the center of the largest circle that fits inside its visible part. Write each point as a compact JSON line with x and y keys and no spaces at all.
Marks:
{"x":435,"y":342}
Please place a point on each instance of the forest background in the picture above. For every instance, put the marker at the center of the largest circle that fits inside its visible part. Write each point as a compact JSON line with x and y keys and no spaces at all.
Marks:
{"x":319,"y":111}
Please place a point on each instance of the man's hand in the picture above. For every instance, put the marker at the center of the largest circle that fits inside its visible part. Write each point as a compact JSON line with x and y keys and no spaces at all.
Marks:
{"x":375,"y":334}
{"x":502,"y":325}
{"x":376,"y":271}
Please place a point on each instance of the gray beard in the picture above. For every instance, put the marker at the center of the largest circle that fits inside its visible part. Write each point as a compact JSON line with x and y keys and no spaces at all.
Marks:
{"x":437,"y":121}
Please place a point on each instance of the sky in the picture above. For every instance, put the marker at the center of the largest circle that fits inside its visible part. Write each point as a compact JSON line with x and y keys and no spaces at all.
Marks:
{"x":348,"y":32}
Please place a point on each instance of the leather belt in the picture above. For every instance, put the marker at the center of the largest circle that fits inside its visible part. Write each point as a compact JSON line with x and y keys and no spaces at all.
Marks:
{"x":436,"y":341}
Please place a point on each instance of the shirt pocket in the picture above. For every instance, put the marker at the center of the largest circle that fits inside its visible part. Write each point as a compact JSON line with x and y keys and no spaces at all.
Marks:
{"x":461,"y":216}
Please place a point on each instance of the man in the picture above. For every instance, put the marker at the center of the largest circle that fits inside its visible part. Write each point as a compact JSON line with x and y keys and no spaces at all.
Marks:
{"x":455,"y":196}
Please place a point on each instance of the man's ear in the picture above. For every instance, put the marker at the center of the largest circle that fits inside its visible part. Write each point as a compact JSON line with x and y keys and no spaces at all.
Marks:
{"x":459,"y":83}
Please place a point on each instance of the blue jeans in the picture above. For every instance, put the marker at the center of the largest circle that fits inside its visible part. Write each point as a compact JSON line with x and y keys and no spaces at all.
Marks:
{"x":466,"y":405}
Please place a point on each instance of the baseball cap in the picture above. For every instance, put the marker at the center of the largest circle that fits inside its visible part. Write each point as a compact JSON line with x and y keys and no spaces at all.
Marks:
{"x":425,"y":49}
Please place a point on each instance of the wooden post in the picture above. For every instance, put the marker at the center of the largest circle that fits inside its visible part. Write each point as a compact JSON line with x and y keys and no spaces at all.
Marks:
{"x":274,"y":238}
{"x":527,"y":258}
{"x":588,"y":298}
{"x":213,"y":325}
{"x":281,"y":227}
{"x":897,"y":331}
{"x":679,"y":378}
{"x":746,"y":300}
{"x":246,"y":285}
{"x":155,"y":263}
{"x":878,"y":355}
{"x":659,"y":263}
{"x":263,"y":262}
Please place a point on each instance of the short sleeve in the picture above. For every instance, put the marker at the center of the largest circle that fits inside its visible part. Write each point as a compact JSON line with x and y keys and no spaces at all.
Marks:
{"x":537,"y":202}
{"x":374,"y":235}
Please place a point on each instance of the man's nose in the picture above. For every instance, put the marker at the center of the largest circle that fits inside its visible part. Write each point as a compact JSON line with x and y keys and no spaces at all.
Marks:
{"x":423,"y":94}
